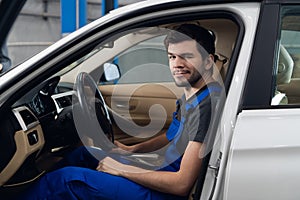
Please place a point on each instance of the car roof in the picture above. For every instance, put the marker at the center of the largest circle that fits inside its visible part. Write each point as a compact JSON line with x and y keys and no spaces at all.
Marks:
{"x":229,"y":1}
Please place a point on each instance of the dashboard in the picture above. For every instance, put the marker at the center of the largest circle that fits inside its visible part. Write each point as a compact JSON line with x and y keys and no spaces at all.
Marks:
{"x":50,"y":107}
{"x":39,"y":122}
{"x":39,"y":100}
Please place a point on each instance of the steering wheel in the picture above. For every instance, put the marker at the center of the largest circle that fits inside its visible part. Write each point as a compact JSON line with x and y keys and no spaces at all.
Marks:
{"x":94,"y":117}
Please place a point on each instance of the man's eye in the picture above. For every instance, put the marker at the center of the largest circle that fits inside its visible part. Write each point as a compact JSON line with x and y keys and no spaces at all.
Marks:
{"x":188,"y":56}
{"x":171,"y":57}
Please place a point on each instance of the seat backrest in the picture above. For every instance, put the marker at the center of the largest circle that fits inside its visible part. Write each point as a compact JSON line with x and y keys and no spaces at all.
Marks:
{"x":285,"y":67}
{"x":284,"y":74}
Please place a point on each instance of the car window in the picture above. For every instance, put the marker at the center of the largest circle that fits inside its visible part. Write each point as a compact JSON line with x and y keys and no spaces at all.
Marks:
{"x":287,"y":78}
{"x":136,"y":66}
{"x":141,"y":56}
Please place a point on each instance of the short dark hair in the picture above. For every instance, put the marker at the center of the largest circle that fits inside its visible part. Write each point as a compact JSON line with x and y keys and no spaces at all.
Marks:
{"x":204,"y":37}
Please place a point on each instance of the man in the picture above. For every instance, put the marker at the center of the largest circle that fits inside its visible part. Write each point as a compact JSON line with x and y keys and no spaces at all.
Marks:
{"x":191,"y":58}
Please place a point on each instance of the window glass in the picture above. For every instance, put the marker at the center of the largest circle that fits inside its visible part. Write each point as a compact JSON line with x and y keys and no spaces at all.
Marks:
{"x":287,"y":84}
{"x":140,"y":55}
{"x":145,"y":62}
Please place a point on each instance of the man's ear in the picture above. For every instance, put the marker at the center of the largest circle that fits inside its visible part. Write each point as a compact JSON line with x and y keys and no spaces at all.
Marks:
{"x":209,"y":61}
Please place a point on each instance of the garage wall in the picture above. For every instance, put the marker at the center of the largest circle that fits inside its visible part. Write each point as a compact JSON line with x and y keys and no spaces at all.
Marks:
{"x":39,"y":25}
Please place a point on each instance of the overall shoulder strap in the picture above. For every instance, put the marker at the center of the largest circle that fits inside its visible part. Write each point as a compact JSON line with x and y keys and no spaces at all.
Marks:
{"x":201,"y":96}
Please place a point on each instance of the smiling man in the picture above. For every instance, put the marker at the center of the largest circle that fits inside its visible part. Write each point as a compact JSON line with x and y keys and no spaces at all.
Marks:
{"x":190,"y":63}
{"x":191,"y":59}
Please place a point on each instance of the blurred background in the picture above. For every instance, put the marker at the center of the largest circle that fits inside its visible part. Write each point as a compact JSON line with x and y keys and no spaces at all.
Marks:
{"x":43,"y":22}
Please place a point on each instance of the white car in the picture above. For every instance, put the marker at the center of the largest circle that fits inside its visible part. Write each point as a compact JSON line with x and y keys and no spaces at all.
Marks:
{"x":256,"y":145}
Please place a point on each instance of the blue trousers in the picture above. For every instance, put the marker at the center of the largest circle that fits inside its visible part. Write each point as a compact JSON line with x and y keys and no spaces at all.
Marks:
{"x":76,"y":178}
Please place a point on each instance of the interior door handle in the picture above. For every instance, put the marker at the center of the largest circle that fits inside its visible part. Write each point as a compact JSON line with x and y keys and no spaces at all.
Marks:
{"x":125,"y":107}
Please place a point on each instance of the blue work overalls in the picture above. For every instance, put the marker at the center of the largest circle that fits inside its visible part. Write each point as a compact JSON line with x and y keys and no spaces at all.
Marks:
{"x":84,"y":182}
{"x":174,"y":134}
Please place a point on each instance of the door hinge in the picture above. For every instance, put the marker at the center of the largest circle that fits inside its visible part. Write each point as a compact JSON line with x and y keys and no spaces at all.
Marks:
{"x":216,"y":168}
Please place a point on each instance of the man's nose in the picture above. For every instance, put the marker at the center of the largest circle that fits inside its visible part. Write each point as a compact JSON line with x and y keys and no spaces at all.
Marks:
{"x":178,"y":61}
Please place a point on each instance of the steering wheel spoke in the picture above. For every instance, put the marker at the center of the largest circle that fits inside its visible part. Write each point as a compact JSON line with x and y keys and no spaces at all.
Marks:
{"x":92,"y":116}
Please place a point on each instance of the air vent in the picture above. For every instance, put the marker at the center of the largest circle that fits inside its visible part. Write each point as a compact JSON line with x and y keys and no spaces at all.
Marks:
{"x":28,"y":118}
{"x":64,"y":101}
{"x":25,"y":117}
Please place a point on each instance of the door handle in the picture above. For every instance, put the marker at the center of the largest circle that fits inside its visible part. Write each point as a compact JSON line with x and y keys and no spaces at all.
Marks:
{"x":125,"y":107}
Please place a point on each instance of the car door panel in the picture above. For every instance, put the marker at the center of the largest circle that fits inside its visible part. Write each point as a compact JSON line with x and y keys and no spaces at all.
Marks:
{"x":147,"y":108}
{"x":263,"y":155}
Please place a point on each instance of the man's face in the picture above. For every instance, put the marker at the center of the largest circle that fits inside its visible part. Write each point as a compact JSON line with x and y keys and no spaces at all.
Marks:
{"x":186,"y":63}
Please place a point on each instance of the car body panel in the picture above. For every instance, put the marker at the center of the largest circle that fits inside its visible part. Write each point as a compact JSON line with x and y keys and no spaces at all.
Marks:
{"x":264,"y":155}
{"x":262,"y":148}
{"x":249,"y":14}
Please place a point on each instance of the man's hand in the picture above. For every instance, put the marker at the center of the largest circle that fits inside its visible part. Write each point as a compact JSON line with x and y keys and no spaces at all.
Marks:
{"x":110,"y":166}
{"x":116,"y":168}
{"x":122,"y":149}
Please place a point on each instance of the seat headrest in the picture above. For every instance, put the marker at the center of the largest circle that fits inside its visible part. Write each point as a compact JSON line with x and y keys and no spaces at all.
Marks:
{"x":285,"y":66}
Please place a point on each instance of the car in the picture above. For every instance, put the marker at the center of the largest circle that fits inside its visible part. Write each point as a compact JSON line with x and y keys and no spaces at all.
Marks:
{"x":256,"y":144}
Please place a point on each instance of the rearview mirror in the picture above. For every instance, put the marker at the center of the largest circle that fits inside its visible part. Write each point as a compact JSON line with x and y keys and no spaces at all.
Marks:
{"x":111,"y":72}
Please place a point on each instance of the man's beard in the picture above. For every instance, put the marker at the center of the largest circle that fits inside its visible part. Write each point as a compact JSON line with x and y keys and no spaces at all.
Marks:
{"x":190,"y":82}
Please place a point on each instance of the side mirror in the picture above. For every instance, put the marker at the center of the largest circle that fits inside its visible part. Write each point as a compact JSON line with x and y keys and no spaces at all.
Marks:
{"x":111,"y":72}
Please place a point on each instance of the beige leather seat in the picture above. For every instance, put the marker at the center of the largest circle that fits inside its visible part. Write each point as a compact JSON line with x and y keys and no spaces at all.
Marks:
{"x":284,"y":74}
